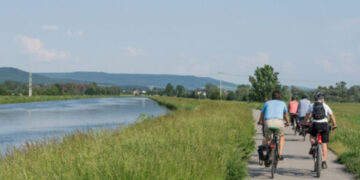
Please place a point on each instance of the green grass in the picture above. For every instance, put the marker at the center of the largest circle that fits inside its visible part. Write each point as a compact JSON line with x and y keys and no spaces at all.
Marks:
{"x":200,"y":139}
{"x":25,"y":99}
{"x":345,"y":141}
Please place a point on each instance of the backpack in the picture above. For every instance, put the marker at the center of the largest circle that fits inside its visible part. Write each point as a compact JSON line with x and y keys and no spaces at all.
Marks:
{"x":318,"y":111}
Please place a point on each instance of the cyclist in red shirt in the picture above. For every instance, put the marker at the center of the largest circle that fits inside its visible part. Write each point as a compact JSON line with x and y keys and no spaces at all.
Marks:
{"x":293,"y":107}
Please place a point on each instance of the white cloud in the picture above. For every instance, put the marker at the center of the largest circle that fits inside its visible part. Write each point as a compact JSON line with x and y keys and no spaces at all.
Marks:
{"x":247,"y":63}
{"x":74,"y":33}
{"x":50,"y":27}
{"x":36,"y":47}
{"x":345,"y":63}
{"x":136,"y":51}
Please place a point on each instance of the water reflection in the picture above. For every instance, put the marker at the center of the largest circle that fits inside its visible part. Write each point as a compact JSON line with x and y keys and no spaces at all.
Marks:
{"x":21,"y":122}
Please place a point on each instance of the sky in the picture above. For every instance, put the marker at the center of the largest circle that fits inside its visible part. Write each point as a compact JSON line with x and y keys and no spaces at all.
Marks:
{"x":310,"y":43}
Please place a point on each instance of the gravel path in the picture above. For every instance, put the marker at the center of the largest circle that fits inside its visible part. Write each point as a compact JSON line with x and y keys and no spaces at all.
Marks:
{"x":297,"y":163}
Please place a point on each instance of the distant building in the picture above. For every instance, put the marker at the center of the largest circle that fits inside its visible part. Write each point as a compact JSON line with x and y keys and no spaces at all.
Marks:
{"x":143,"y":92}
{"x":201,"y":93}
{"x":135,"y":92}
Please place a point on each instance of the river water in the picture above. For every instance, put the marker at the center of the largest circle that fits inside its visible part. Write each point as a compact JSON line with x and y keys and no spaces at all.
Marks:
{"x":35,"y":121}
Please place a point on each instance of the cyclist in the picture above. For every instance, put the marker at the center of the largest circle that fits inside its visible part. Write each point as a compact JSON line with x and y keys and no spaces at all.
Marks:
{"x":293,"y":107}
{"x":319,"y":111}
{"x":272,"y":115}
{"x":303,"y":108}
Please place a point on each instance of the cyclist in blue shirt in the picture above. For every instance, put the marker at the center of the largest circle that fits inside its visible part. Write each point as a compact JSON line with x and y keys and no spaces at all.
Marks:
{"x":273,"y":113}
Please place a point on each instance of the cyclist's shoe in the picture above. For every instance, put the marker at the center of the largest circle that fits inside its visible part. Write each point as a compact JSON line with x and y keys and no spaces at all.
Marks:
{"x":324,"y":165}
{"x":281,"y":157}
{"x":312,"y":150}
{"x":267,"y":163}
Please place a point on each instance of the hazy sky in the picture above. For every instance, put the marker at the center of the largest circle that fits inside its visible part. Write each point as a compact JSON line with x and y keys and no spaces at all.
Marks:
{"x":309,"y":42}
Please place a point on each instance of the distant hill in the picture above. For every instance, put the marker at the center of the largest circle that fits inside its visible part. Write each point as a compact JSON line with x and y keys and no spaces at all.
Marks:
{"x":13,"y":74}
{"x":147,"y":80}
{"x":17,"y":75}
{"x":101,"y":78}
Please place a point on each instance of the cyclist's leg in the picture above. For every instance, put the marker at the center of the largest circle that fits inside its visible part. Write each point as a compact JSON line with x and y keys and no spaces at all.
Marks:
{"x":313,"y":132}
{"x":325,"y":139}
{"x":267,"y":132}
{"x":278,"y":123}
{"x":281,"y":143}
{"x":292,"y":119}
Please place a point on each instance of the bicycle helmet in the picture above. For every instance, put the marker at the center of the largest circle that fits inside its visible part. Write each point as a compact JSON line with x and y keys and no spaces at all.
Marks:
{"x":318,"y":96}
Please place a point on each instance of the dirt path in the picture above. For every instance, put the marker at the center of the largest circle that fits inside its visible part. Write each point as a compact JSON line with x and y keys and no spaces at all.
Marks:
{"x":297,"y":163}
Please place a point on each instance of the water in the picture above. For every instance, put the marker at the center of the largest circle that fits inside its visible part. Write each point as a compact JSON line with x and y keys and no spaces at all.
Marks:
{"x":34,"y":121}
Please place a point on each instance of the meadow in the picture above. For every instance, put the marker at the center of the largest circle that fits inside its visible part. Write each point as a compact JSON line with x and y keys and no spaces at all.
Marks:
{"x":345,"y":141}
{"x":200,"y":139}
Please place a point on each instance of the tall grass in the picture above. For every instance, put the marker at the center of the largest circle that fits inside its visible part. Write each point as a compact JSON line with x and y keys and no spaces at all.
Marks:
{"x":345,"y":141}
{"x":199,"y":140}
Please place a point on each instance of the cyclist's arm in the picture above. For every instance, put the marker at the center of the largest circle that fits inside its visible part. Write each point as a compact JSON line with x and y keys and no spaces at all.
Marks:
{"x":307,"y":118}
{"x":333,"y":120}
{"x":286,"y":116}
{"x":261,"y":119}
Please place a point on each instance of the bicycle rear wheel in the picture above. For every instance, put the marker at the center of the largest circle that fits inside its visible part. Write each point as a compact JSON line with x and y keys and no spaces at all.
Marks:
{"x":304,"y":133}
{"x":318,"y":160}
{"x":273,"y":165}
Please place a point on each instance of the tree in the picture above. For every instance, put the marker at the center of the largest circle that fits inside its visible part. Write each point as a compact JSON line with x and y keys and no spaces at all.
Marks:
{"x":231,"y":96}
{"x":286,"y":94}
{"x":3,"y":91}
{"x":242,"y":92}
{"x":212,"y":91}
{"x":180,"y":91}
{"x":169,"y":90}
{"x":264,"y":82}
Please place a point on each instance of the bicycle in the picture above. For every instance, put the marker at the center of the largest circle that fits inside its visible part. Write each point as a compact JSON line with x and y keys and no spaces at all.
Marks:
{"x":304,"y":130}
{"x":295,"y":125}
{"x":274,"y":147}
{"x":317,"y":155}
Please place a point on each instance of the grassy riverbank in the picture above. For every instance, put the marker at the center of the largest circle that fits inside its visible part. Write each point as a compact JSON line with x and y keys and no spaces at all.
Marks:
{"x":199,"y":140}
{"x":345,"y":141}
{"x":25,"y":99}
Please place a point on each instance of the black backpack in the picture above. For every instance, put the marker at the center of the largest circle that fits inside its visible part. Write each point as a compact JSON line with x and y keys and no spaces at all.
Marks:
{"x":318,"y":111}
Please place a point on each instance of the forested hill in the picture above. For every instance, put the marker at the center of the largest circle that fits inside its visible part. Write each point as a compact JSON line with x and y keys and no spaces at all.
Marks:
{"x":13,"y":74}
{"x":17,"y":75}
{"x":148,"y":80}
{"x":124,"y":80}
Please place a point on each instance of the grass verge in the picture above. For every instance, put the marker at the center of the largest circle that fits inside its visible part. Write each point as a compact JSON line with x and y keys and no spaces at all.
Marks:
{"x":199,"y":140}
{"x":345,"y":140}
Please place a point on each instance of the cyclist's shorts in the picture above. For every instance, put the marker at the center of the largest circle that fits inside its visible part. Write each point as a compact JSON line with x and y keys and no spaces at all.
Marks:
{"x":301,"y":119}
{"x":315,"y":127}
{"x":278,"y":123}
{"x":293,"y":116}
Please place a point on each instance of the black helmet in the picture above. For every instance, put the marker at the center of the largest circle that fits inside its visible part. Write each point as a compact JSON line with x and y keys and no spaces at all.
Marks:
{"x":318,"y":96}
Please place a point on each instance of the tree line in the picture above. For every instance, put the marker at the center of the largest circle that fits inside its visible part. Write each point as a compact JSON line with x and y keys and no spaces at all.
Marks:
{"x":18,"y":89}
{"x":264,"y":81}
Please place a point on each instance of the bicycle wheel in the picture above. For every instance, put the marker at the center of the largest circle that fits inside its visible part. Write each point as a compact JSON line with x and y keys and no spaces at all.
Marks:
{"x":275,"y":158}
{"x":304,"y":134}
{"x":318,"y":160}
{"x":273,"y":165}
{"x":295,"y":128}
